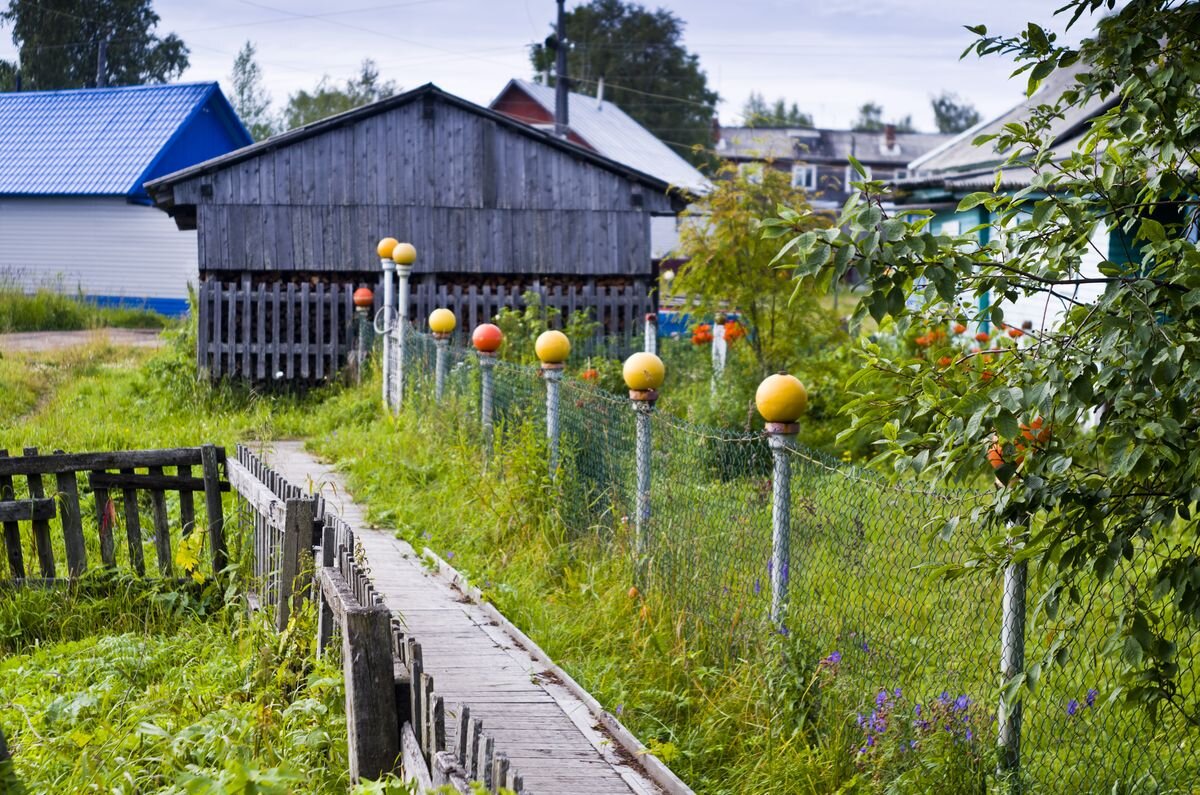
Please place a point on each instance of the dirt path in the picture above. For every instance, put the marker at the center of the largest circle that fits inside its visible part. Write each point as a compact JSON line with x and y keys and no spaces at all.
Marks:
{"x":34,"y":341}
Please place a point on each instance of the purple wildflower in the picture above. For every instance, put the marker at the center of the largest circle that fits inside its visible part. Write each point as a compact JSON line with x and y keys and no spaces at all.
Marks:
{"x":1072,"y":707}
{"x":1091,"y":697}
{"x":757,"y":587}
{"x":881,"y":698}
{"x":961,"y":703}
{"x":897,"y":692}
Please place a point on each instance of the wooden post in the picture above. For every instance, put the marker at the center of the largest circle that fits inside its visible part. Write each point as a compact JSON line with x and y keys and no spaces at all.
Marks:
{"x":373,"y":733}
{"x":12,"y":530}
{"x":499,"y":772}
{"x":297,"y":525}
{"x":41,"y":527}
{"x":162,"y":528}
{"x":133,"y":528}
{"x":473,"y":749}
{"x":464,"y":742}
{"x":72,"y":522}
{"x":415,"y":670}
{"x":486,"y":755}
{"x":212,"y":502}
{"x":325,"y":612}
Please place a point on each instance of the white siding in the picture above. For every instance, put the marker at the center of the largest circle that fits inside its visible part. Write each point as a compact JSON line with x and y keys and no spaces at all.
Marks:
{"x":100,"y":246}
{"x":1045,"y":311}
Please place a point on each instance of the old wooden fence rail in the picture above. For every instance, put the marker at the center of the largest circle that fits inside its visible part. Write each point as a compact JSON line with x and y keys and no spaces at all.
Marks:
{"x":112,"y":479}
{"x":394,"y":716}
{"x":305,"y":332}
{"x":255,"y":332}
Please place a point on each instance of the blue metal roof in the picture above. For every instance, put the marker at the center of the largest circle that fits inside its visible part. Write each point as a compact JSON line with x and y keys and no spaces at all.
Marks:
{"x":108,"y":141}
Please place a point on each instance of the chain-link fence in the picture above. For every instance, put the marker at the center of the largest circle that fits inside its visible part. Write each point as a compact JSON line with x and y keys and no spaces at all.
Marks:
{"x":905,"y":654}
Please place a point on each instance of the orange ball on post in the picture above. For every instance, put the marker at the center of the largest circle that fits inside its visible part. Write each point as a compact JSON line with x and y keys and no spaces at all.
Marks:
{"x":487,"y":338}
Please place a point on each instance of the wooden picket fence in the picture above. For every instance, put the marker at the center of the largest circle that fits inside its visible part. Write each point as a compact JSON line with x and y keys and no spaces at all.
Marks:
{"x":394,"y":717}
{"x":111,"y":477}
{"x":304,"y":333}
{"x":257,"y":332}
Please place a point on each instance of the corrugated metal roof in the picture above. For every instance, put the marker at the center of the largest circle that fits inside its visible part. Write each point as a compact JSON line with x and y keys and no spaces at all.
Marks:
{"x":614,"y":134}
{"x":96,"y":141}
{"x":961,"y":155}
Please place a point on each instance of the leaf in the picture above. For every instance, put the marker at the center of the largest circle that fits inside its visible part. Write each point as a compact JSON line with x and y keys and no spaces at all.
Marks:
{"x":973,"y":200}
{"x":862,"y":172}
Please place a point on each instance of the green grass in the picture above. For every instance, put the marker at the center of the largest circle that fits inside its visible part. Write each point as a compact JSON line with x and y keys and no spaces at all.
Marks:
{"x":730,"y":708}
{"x":178,"y":693}
{"x":119,"y":685}
{"x":51,"y":310}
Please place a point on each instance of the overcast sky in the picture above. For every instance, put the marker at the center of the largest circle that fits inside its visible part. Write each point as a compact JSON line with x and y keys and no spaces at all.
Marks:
{"x":829,"y":56}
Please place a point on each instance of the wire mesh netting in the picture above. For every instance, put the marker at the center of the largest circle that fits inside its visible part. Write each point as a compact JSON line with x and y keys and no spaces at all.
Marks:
{"x":915,"y":652}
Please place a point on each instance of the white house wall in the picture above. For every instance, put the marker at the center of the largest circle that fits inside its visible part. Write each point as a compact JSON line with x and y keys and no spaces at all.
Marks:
{"x":102,"y":247}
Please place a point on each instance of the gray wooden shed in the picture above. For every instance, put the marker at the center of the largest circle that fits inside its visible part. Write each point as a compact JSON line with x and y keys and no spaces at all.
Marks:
{"x":287,"y":228}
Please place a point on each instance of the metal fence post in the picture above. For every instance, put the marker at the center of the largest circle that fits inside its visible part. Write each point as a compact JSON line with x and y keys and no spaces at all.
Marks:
{"x":441,"y":344}
{"x":650,"y":334}
{"x":644,"y":373}
{"x":1012,"y":662}
{"x":718,"y":350}
{"x":781,"y":399}
{"x":487,"y":361}
{"x":364,"y":299}
{"x":442,"y":323}
{"x":404,"y":255}
{"x":487,"y":339}
{"x":780,"y":436}
{"x":386,"y":247}
{"x":552,"y":348}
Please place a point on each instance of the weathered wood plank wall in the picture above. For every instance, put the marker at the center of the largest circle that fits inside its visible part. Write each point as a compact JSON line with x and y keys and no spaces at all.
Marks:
{"x":474,"y":195}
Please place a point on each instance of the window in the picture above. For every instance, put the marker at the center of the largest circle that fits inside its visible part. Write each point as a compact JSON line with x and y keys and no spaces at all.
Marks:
{"x":852,"y":176}
{"x":751,"y":171}
{"x":804,"y":177}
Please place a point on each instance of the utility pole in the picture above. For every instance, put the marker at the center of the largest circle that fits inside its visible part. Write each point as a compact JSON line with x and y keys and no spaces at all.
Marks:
{"x":102,"y":64}
{"x":561,"y":85}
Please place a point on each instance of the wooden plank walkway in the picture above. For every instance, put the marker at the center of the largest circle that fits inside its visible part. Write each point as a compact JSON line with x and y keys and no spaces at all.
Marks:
{"x":547,"y":732}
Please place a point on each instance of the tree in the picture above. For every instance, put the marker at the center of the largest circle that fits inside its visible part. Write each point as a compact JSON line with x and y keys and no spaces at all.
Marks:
{"x":328,"y":99}
{"x":1101,"y":499}
{"x":756,"y":113}
{"x":870,"y":119}
{"x":58,"y":42}
{"x":952,"y":115}
{"x":248,"y":97}
{"x":646,"y":70}
{"x":728,"y":264}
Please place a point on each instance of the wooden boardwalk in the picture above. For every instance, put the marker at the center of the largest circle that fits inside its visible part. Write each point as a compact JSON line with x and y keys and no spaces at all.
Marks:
{"x":547,"y":731}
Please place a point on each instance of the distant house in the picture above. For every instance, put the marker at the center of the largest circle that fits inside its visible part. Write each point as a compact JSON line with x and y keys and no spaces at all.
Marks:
{"x":599,"y":125}
{"x":940,"y":179}
{"x":73,"y":213}
{"x":819,"y":159}
{"x":495,"y":207}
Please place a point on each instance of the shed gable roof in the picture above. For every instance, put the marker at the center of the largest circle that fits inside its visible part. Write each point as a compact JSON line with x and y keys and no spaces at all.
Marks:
{"x":99,"y":141}
{"x":160,"y":188}
{"x":615,"y":134}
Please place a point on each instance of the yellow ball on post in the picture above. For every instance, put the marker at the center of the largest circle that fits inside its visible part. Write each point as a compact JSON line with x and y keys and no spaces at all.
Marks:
{"x":404,"y":254}
{"x":552,"y":347}
{"x":386,"y":246}
{"x":643,"y":372}
{"x":781,"y":398}
{"x":442,"y":321}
